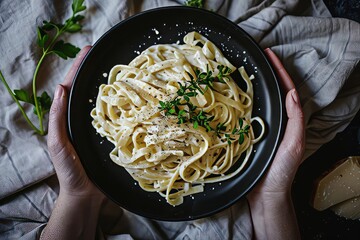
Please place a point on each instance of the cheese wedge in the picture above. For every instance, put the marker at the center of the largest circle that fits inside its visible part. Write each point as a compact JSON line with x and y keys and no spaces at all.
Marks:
{"x":349,"y":209}
{"x":340,"y":184}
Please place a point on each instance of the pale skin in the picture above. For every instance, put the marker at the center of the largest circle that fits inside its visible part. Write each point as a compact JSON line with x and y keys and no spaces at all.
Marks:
{"x":76,"y":212}
{"x":270,"y":201}
{"x":77,"y":208}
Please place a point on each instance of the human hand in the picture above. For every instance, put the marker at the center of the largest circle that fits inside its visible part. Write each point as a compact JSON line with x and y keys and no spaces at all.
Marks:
{"x":72,"y":177}
{"x":77,"y":208}
{"x":270,"y":201}
{"x":289,"y":155}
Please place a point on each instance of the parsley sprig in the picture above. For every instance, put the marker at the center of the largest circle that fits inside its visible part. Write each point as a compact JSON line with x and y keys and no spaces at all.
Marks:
{"x":195,"y":3}
{"x":48,"y":40}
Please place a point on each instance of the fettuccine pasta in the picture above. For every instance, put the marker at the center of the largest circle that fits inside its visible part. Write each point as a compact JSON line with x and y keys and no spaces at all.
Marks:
{"x":177,"y":118}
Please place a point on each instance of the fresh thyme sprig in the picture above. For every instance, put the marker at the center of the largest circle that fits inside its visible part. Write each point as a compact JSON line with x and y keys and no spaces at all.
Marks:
{"x":224,"y":72}
{"x":220,"y":127}
{"x":205,"y":78}
{"x":169,"y":106}
{"x":241,"y":132}
{"x":188,"y":112}
{"x":48,"y":35}
{"x":185,"y":92}
{"x":201,"y":119}
{"x":228,"y":138}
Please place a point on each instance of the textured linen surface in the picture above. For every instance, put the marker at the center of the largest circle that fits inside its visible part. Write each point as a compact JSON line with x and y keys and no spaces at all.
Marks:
{"x":320,"y":53}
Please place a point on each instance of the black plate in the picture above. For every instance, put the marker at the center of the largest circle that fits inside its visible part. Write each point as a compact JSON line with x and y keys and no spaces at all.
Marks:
{"x":120,"y":45}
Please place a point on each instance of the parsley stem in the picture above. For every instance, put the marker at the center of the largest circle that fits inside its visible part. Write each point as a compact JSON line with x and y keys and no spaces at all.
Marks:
{"x":38,"y":111}
{"x":19,"y":105}
{"x":64,"y":50}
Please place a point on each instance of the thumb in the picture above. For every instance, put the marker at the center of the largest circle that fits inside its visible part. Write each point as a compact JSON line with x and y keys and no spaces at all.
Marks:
{"x":293,"y":107}
{"x":292,"y":145}
{"x":295,"y":132}
{"x":57,"y":137}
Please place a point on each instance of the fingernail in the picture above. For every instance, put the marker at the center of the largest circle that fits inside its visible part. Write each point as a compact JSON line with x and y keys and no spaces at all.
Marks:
{"x":59,"y":92}
{"x":295,"y":96}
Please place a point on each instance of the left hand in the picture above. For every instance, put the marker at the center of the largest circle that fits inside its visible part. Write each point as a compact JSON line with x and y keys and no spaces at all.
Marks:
{"x":72,"y":177}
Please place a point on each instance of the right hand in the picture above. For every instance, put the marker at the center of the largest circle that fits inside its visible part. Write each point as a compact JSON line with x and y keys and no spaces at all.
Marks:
{"x":289,"y":155}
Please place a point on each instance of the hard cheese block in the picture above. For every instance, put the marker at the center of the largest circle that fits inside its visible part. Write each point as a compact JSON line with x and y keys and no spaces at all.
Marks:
{"x":348,"y":209}
{"x":338,"y":185}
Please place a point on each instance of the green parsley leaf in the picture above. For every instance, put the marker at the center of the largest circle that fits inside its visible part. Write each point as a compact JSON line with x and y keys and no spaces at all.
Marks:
{"x":194,"y":3}
{"x":44,"y":102}
{"x":77,"y":6}
{"x":48,"y":26}
{"x":75,"y":27}
{"x":65,"y":50}
{"x":42,"y":37}
{"x":78,"y":18}
{"x":22,"y":95}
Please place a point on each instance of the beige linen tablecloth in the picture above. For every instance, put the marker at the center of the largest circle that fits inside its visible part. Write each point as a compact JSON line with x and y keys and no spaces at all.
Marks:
{"x":320,"y":53}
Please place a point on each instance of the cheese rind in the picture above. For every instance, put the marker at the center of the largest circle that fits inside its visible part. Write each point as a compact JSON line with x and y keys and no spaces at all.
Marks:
{"x":338,"y":185}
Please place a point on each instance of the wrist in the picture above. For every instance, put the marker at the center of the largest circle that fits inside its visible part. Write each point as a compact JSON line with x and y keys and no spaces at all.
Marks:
{"x":269,"y":201}
{"x":274,"y":215}
{"x":74,"y":217}
{"x":272,"y":190}
{"x":270,"y":195}
{"x":81,"y":201}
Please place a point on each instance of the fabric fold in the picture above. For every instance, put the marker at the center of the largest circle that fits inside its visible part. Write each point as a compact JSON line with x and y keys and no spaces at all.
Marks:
{"x":321,"y":54}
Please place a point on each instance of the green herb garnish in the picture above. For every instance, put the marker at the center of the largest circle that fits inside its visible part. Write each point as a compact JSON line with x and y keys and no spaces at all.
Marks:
{"x":241,"y":132}
{"x":220,"y":127}
{"x":198,"y":118}
{"x":195,"y":3}
{"x":224,"y":72}
{"x":205,"y":78}
{"x":228,"y":138}
{"x":185,"y":92}
{"x":201,"y":119}
{"x":48,"y":35}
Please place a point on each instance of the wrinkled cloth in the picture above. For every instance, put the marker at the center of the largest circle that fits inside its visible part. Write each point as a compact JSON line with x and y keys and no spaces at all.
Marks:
{"x":320,"y":53}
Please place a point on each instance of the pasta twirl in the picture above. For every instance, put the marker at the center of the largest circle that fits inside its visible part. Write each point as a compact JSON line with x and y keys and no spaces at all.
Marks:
{"x":176,"y":117}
